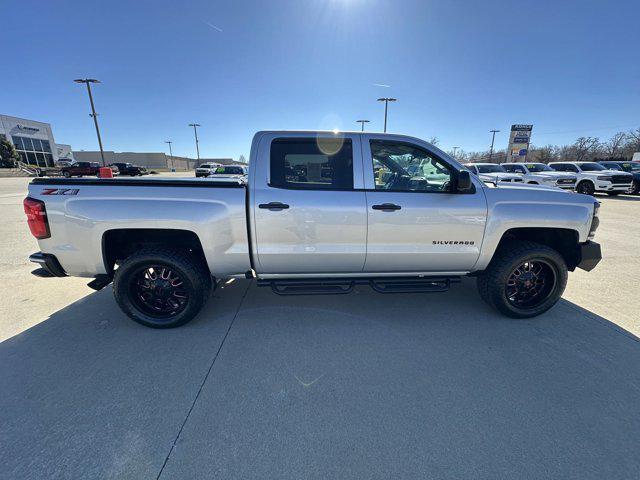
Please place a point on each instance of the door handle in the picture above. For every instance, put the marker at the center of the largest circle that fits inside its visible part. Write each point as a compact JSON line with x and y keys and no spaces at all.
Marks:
{"x":274,"y":206}
{"x":387,"y":207}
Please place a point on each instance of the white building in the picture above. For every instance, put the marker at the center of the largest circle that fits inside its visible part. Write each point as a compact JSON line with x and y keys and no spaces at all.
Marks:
{"x":33,"y":140}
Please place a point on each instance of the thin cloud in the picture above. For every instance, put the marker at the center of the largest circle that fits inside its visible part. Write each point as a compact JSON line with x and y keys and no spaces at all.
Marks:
{"x":213,"y":26}
{"x":381,"y":85}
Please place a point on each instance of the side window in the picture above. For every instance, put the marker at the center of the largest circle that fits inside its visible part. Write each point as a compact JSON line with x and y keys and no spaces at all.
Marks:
{"x":519,"y":169}
{"x":572,"y":168}
{"x":312,"y":163}
{"x":403,"y":167}
{"x":557,"y":168}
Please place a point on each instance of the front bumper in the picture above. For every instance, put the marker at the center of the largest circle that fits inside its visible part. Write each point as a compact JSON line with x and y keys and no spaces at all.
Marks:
{"x":48,"y":262}
{"x":590,"y":255}
{"x":610,"y":187}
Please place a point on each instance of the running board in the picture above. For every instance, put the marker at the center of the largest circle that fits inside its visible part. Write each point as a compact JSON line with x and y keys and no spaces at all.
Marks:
{"x":339,"y":286}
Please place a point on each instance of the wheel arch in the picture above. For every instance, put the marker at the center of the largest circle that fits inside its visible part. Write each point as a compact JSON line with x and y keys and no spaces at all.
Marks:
{"x":118,"y":244}
{"x":564,"y":240}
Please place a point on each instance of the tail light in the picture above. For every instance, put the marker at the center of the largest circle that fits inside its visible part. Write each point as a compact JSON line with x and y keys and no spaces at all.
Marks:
{"x":37,"y":217}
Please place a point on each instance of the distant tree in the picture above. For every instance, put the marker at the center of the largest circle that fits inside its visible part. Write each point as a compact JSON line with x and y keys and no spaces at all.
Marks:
{"x":242,"y":159}
{"x":434,"y":141}
{"x":8,"y":154}
{"x":632,"y":144}
{"x":585,"y":148}
{"x":546,"y":154}
{"x":613,"y":148}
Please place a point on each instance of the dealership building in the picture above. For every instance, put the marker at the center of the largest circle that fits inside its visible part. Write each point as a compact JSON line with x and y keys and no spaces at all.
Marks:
{"x":33,"y":140}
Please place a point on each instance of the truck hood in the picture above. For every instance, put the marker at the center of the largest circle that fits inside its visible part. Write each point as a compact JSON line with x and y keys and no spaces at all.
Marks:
{"x":527,"y":186}
{"x":555,"y":175}
{"x":498,"y":176}
{"x":606,"y":172}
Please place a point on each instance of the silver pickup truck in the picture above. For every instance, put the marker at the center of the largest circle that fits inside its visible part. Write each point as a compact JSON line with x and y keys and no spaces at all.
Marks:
{"x":320,"y":213}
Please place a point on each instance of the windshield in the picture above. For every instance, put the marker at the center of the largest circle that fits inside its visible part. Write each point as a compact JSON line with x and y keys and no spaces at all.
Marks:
{"x":491,"y":169}
{"x":630,"y":166}
{"x":591,"y":167}
{"x":539,"y":167}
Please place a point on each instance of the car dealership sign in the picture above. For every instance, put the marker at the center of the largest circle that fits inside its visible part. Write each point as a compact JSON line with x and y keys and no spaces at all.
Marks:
{"x":519,"y":142}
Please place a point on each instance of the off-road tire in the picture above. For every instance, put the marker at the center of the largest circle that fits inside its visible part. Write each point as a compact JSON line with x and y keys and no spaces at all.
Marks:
{"x":194,"y":274}
{"x":492,"y":282}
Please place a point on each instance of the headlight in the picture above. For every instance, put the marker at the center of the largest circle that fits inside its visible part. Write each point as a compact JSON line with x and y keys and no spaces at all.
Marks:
{"x":595,"y":221}
{"x":608,"y":179}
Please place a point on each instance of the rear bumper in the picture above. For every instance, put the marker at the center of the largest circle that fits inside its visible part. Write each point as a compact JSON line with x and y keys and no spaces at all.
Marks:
{"x":590,"y":255}
{"x":49,"y":262}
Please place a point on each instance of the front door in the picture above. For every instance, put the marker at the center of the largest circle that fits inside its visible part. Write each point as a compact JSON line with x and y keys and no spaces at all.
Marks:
{"x":417,"y":222}
{"x":309,"y":217}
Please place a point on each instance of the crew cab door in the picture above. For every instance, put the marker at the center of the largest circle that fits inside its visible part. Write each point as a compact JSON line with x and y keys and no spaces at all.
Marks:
{"x":417,"y":222}
{"x":308,"y":204}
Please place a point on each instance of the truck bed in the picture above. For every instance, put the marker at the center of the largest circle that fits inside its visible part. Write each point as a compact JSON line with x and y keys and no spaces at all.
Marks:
{"x":145,"y":182}
{"x":82,"y":212}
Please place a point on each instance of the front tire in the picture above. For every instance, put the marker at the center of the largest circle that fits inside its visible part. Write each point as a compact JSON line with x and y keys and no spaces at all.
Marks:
{"x":586,"y":187}
{"x":524,"y":279}
{"x":161,"y":287}
{"x":635,"y":188}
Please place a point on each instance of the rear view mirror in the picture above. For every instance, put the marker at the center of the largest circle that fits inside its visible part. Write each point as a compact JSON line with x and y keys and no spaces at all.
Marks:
{"x":464,"y":183}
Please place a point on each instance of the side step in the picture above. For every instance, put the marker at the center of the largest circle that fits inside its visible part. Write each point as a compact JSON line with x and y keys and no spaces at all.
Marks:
{"x":334,"y":286}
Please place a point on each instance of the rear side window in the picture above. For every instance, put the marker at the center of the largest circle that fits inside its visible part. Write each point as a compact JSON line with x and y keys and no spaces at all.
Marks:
{"x":312,"y":163}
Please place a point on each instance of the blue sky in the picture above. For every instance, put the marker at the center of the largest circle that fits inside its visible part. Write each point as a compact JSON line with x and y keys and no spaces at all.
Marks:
{"x":458,"y":68}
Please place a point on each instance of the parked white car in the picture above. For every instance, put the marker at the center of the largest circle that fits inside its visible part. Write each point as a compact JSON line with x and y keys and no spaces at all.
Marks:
{"x":542,"y":174}
{"x":593,"y":177}
{"x":493,"y":172}
{"x":206,"y":169}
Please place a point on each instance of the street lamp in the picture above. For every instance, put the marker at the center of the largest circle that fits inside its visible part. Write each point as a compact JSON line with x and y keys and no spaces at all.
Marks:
{"x":493,"y":138}
{"x":88,"y":82}
{"x":170,"y":152}
{"x":362,"y":122}
{"x":386,"y":101}
{"x":195,"y":132}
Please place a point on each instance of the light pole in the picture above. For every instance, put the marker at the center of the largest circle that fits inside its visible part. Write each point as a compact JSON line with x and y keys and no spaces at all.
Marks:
{"x":170,"y":152}
{"x":88,"y":82}
{"x":493,"y":138}
{"x":386,"y":101}
{"x":362,"y":122}
{"x":195,"y":132}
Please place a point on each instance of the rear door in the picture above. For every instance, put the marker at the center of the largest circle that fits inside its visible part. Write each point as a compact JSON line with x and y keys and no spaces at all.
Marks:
{"x":308,"y":204}
{"x":417,"y":222}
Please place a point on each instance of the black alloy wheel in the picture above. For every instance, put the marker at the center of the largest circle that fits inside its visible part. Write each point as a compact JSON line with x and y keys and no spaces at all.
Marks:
{"x":530,"y":284}
{"x":158,"y":291}
{"x":586,"y":187}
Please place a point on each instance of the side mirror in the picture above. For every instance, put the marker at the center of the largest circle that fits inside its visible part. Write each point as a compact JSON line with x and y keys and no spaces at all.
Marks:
{"x":463,"y":182}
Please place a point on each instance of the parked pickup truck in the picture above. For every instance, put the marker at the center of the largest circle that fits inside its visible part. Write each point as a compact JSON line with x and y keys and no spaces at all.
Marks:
{"x":321,"y":212}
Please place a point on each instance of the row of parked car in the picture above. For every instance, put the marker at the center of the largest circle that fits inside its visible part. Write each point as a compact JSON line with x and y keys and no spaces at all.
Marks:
{"x":612,"y":178}
{"x":92,"y":169}
{"x":213,"y":169}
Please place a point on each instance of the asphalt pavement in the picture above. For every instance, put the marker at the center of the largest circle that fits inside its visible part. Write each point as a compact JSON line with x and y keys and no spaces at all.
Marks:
{"x":348,"y":386}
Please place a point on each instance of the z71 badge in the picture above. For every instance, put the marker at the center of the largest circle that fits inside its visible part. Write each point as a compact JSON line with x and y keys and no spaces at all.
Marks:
{"x":60,"y":191}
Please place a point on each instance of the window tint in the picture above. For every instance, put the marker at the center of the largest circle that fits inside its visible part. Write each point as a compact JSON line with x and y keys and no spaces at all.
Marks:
{"x":403,"y":167}
{"x":310,"y":163}
{"x":591,"y":167}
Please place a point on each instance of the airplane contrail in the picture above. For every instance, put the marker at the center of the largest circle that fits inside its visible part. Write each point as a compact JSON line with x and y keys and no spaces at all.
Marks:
{"x":213,"y":26}
{"x":381,"y":85}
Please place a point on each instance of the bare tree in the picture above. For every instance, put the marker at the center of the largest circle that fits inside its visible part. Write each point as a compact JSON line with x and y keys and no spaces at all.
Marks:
{"x":242,"y":159}
{"x":584,"y":148}
{"x":613,"y":147}
{"x":434,"y":141}
{"x":546,"y":154}
{"x":633,"y":142}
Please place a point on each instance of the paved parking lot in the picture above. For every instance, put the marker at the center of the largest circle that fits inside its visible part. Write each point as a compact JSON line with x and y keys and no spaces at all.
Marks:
{"x":356,"y":386}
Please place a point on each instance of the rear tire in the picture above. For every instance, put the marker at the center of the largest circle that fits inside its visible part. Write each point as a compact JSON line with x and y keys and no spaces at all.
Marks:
{"x":586,"y":187}
{"x":66,"y":174}
{"x":161,"y":287}
{"x":537,"y":287}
